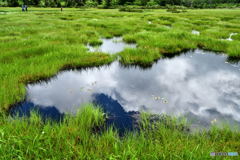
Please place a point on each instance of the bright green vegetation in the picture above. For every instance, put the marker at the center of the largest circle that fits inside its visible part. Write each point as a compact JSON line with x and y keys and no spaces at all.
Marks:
{"x":39,"y":43}
{"x":74,"y":139}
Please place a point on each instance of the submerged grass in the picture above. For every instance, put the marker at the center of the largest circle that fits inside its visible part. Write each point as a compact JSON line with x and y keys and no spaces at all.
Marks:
{"x":37,"y":44}
{"x":30,"y":138}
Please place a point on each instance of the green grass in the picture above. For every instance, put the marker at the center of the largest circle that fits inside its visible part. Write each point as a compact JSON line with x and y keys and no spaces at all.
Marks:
{"x":37,"y":44}
{"x":22,"y":138}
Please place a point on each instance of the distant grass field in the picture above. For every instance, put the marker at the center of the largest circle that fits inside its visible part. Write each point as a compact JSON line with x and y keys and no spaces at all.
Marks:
{"x":37,"y":44}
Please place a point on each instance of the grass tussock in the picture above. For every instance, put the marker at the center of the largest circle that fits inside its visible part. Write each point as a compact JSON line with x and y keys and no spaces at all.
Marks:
{"x":30,"y":138}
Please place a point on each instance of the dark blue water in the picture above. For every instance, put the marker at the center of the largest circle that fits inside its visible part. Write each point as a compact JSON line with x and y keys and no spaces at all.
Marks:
{"x":200,"y":85}
{"x":117,"y":116}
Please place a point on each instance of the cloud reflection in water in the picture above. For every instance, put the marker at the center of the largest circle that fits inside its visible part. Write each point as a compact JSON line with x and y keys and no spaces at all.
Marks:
{"x":197,"y":83}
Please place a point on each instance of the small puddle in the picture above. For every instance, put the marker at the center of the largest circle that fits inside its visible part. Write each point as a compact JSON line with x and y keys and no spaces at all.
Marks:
{"x":195,"y":32}
{"x":168,"y":26}
{"x":230,"y":37}
{"x":111,"y":46}
{"x":3,"y":12}
{"x":199,"y":84}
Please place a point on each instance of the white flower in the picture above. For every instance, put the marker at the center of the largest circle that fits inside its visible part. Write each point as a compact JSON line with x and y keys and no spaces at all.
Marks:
{"x":214,"y":121}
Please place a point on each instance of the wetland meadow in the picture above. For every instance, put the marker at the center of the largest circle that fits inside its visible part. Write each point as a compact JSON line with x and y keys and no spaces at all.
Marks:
{"x":87,"y":83}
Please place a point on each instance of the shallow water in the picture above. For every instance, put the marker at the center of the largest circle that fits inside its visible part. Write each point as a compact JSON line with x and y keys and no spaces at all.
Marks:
{"x":195,"y":32}
{"x":111,"y":46}
{"x":230,"y":36}
{"x":200,"y":85}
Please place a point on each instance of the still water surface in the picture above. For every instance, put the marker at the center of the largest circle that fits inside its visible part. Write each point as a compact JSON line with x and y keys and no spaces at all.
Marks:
{"x":199,"y":84}
{"x":111,"y":46}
